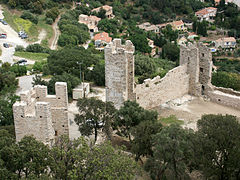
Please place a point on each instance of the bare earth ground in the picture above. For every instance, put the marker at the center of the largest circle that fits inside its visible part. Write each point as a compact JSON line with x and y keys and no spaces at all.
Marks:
{"x":190,"y":109}
{"x":97,"y":92}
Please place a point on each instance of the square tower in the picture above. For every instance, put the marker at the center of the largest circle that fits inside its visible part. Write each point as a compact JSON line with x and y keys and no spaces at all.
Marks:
{"x":119,"y":72}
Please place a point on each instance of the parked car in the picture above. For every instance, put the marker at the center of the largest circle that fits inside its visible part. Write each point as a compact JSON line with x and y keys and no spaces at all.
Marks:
{"x":4,"y":22}
{"x":22,"y":62}
{"x":6,"y":45}
{"x":24,"y":36}
{"x":20,"y":33}
{"x":3,"y":36}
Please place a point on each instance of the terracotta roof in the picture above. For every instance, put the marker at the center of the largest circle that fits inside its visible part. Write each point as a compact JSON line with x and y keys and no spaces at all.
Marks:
{"x":226,"y":39}
{"x":206,"y":11}
{"x":178,"y":23}
{"x":103,"y":37}
{"x":191,"y":33}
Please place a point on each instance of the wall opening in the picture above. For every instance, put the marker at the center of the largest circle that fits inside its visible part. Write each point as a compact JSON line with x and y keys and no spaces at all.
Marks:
{"x":56,"y":133}
{"x":203,"y":89}
{"x":201,"y":69}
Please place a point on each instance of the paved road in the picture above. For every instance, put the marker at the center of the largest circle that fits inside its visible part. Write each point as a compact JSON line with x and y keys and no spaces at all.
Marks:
{"x":25,"y":83}
{"x":12,"y":39}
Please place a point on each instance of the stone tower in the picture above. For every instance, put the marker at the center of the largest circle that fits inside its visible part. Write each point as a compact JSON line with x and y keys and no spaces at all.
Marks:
{"x":41,"y":115}
{"x":199,"y":67}
{"x":119,"y":72}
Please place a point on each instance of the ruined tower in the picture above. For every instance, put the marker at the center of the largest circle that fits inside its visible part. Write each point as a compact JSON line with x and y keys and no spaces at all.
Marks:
{"x":119,"y":72}
{"x":41,"y":115}
{"x":199,"y":67}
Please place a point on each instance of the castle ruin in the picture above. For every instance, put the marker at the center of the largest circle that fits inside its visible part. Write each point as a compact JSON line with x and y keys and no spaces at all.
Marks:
{"x":192,"y":76}
{"x":119,"y":72}
{"x":41,"y":115}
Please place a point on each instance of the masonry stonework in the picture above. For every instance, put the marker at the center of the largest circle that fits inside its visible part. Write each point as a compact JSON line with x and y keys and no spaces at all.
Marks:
{"x":119,"y":72}
{"x":157,"y":91}
{"x":41,"y":115}
{"x":193,"y":77}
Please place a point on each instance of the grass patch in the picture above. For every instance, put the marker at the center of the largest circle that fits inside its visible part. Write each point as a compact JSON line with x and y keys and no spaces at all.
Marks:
{"x":48,"y":28}
{"x":32,"y":56}
{"x":170,"y":120}
{"x":0,"y":51}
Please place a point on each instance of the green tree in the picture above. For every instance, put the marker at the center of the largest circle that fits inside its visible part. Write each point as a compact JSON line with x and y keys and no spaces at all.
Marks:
{"x":218,"y":146}
{"x":143,"y":142}
{"x":171,"y":52}
{"x":144,"y":65}
{"x":93,"y":115}
{"x":71,"y":81}
{"x":68,"y":157}
{"x":227,"y":80}
{"x":140,"y":42}
{"x":130,"y":115}
{"x":170,"y":152}
{"x":106,"y":162}
{"x":26,"y":158}
{"x":98,"y":74}
{"x":6,"y":112}
{"x":70,"y":60}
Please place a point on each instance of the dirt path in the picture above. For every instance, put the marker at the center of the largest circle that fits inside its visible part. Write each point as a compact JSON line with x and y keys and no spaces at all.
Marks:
{"x":53,"y":42}
{"x":57,"y":33}
{"x":41,"y":36}
{"x":190,"y":109}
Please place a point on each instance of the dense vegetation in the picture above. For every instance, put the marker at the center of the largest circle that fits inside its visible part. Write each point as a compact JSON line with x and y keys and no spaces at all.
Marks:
{"x":72,"y":32}
{"x":31,"y":159}
{"x":8,"y":86}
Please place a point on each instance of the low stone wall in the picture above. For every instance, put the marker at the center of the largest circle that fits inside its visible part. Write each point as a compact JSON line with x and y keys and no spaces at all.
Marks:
{"x":225,"y":96}
{"x":156,"y":91}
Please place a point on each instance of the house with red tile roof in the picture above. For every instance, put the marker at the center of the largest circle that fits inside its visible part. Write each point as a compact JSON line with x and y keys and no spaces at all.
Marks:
{"x":178,"y":25}
{"x":109,"y":12}
{"x":206,"y":14}
{"x":102,"y":39}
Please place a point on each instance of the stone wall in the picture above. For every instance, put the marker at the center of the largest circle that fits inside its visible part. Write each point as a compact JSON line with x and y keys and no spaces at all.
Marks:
{"x":119,"y":72}
{"x":27,"y":121}
{"x":225,"y":96}
{"x":199,"y":66}
{"x":157,"y":91}
{"x":36,"y":122}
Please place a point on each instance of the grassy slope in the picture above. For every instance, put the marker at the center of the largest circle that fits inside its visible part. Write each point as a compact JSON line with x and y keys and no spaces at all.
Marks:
{"x":48,"y":29}
{"x":32,"y":56}
{"x":171,"y":120}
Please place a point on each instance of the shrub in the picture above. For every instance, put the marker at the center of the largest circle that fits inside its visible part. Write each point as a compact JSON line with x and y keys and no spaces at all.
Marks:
{"x":49,"y":21}
{"x":52,"y":13}
{"x":36,"y":48}
{"x":19,"y":48}
{"x":19,"y":70}
{"x":30,"y":17}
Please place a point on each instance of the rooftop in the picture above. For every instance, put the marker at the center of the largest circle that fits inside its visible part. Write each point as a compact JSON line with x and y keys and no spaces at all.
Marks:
{"x":103,"y":37}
